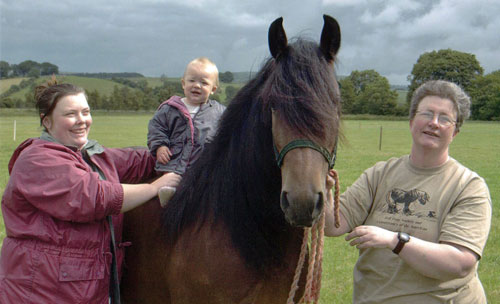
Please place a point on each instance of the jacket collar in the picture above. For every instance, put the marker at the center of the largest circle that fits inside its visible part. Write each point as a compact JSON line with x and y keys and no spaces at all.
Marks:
{"x":92,"y":146}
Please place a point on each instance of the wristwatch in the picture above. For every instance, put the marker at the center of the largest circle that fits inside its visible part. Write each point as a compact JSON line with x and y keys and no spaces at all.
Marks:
{"x":403,"y":239}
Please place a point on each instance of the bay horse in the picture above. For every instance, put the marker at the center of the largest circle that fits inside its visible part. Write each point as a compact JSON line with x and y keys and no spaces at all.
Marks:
{"x":233,"y":231}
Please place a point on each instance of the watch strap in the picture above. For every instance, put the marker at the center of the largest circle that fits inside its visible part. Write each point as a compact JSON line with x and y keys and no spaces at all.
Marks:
{"x":403,"y":238}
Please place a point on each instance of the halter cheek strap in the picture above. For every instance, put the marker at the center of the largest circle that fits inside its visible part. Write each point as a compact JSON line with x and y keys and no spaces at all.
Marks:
{"x":306,"y":143}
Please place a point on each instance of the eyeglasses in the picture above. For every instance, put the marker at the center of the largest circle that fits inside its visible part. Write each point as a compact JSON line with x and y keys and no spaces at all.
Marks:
{"x":443,"y":120}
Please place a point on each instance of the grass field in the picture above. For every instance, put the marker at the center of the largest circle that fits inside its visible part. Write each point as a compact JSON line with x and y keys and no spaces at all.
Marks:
{"x":476,"y":147}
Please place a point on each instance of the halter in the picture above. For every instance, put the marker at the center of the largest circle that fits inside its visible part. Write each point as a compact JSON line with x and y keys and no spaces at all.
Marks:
{"x":306,"y":143}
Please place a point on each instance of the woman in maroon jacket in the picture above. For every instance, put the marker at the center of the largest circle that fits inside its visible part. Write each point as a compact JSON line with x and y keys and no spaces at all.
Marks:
{"x":62,"y":188}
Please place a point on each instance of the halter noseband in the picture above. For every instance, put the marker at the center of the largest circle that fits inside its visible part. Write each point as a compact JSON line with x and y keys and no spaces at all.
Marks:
{"x":306,"y":143}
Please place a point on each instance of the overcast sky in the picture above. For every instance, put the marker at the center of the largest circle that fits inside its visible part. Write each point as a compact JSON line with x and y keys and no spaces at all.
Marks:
{"x":155,"y":37}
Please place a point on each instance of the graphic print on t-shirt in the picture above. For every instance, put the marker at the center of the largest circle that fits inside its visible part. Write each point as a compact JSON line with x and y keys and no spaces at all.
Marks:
{"x":412,"y":211}
{"x":400,"y":201}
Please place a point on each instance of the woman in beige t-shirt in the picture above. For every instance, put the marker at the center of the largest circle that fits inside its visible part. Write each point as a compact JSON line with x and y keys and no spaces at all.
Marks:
{"x":420,"y":221}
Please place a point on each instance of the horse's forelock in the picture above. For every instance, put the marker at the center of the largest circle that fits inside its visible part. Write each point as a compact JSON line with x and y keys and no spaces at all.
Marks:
{"x":302,"y":88}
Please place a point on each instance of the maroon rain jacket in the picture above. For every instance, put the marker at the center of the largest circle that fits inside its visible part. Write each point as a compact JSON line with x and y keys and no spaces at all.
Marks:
{"x":57,"y":248}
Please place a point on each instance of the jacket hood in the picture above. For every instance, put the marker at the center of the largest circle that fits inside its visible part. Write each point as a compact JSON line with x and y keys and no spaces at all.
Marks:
{"x":92,"y":147}
{"x":23,"y":146}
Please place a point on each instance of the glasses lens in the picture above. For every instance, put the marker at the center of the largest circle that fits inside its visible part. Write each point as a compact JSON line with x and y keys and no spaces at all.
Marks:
{"x":445,"y":120}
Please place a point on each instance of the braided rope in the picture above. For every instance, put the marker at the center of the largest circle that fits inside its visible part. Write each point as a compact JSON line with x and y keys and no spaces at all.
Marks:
{"x":336,"y":200}
{"x":318,"y":269}
{"x":314,"y":269}
{"x":300,"y":264}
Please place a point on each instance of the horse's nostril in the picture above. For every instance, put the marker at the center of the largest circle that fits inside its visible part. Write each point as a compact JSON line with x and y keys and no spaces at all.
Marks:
{"x":284,"y":201}
{"x":318,"y":207}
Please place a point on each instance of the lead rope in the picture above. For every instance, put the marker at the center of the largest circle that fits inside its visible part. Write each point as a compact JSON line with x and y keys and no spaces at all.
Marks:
{"x":314,"y":270}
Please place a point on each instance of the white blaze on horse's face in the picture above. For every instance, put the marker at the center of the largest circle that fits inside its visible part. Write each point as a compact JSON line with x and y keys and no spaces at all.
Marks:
{"x":303,"y":176}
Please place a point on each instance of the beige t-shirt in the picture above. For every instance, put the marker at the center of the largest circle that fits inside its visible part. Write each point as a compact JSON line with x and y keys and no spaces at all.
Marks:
{"x":448,"y":203}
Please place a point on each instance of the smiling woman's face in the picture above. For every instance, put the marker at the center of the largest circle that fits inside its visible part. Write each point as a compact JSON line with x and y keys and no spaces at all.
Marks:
{"x":70,"y":121}
{"x":429,"y":134}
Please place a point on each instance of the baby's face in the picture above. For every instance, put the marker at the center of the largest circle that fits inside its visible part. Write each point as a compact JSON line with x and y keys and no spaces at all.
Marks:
{"x":198,"y":83}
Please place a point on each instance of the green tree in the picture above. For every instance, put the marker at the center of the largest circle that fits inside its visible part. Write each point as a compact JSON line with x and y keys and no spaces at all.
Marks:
{"x":142,"y":84}
{"x":95,"y":100}
{"x":458,"y":67}
{"x":115,"y":100}
{"x":367,"y":92}
{"x":4,"y":69}
{"x":230,"y":93}
{"x":226,"y":77}
{"x":360,"y":79}
{"x":380,"y":99}
{"x":6,"y":102}
{"x":47,"y":68}
{"x":485,"y":96}
{"x":29,"y":99}
{"x":34,"y":73}
{"x":26,"y":66}
{"x":348,"y":95}
{"x":14,"y":68}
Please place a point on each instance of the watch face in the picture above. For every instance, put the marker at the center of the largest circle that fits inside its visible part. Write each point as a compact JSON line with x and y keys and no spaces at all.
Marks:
{"x":403,"y":237}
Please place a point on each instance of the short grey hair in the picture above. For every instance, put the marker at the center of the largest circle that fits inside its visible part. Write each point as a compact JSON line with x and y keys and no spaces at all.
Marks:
{"x":443,"y":89}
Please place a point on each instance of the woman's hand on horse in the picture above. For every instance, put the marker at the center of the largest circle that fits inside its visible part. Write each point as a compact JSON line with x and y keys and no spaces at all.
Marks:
{"x":170,"y":179}
{"x":163,"y":154}
{"x":372,"y":237}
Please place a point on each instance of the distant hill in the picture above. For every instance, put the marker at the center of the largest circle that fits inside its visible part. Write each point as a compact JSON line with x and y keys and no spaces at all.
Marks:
{"x":105,"y":75}
{"x":104,"y":83}
{"x":103,"y":86}
{"x":242,"y":77}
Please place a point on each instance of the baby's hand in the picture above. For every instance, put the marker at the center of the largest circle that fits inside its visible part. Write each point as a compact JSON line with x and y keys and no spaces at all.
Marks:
{"x":163,"y":154}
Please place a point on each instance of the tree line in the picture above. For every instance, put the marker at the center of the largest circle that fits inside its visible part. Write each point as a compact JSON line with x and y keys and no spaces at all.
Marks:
{"x":138,"y":95}
{"x":367,"y":92}
{"x":362,"y":92}
{"x":27,"y":68}
{"x":131,"y":95}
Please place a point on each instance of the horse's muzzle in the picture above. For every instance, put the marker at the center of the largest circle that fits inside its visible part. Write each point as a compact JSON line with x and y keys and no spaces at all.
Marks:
{"x":302,"y":210}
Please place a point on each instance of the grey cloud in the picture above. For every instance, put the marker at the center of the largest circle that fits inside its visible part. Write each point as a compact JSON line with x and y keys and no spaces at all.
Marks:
{"x":157,"y":37}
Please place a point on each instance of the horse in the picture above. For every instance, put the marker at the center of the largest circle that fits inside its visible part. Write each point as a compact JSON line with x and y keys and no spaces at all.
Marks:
{"x":400,"y":196}
{"x":233,"y":231}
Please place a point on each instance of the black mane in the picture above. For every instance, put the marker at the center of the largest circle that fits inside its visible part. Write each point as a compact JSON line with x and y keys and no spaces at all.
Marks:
{"x":237,"y":181}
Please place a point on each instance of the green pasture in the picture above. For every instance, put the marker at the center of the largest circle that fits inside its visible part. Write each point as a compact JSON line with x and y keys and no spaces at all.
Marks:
{"x":5,"y":84}
{"x":476,"y":147}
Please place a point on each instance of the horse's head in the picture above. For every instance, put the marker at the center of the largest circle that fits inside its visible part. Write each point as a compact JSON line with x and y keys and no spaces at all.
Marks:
{"x":303,"y":97}
{"x":423,"y":197}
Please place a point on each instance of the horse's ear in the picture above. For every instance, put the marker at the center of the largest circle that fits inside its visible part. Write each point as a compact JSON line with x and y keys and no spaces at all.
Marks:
{"x":277,"y":38}
{"x":330,"y":37}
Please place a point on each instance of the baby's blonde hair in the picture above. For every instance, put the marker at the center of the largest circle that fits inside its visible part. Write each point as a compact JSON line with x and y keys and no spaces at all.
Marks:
{"x":207,"y":62}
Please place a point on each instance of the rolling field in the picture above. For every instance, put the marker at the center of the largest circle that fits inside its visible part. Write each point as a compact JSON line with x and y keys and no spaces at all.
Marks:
{"x":476,"y":147}
{"x":105,"y":87}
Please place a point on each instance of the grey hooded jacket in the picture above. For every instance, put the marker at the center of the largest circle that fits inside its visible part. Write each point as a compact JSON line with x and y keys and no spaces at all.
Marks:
{"x":172,"y":126}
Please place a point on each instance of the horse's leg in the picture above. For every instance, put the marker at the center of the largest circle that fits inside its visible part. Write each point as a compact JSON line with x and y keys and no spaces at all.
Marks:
{"x":143,"y":280}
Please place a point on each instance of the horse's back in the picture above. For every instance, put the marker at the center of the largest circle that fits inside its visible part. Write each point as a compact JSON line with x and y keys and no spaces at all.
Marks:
{"x":143,"y":278}
{"x":202,"y":267}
